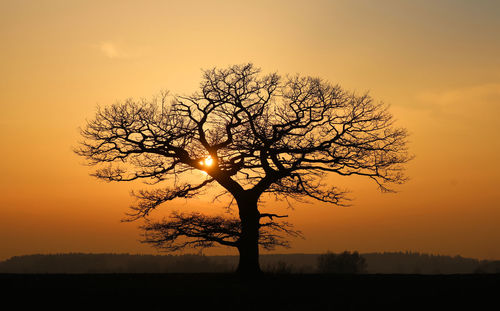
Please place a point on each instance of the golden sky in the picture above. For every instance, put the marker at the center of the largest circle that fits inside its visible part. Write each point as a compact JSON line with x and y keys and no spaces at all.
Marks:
{"x":436,"y":62}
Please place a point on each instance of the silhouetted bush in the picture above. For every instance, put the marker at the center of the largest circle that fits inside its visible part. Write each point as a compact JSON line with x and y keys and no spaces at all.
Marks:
{"x":279,"y":267}
{"x":345,"y":262}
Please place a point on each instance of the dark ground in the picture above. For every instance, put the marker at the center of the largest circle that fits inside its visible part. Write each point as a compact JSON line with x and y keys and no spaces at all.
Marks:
{"x":269,"y":292}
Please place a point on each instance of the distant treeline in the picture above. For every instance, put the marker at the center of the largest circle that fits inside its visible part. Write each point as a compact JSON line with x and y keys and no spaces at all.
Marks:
{"x":399,"y":262}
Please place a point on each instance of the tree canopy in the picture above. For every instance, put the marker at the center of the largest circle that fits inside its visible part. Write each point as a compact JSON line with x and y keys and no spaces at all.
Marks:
{"x":251,"y":133}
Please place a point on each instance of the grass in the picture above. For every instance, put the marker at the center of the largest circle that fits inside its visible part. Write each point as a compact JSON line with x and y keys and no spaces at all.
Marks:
{"x":268,"y":292}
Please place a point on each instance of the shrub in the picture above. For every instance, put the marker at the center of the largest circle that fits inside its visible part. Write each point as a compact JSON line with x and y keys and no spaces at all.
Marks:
{"x":345,"y":262}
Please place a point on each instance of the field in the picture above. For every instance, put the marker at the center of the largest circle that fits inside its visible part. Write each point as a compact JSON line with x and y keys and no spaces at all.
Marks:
{"x":268,"y":292}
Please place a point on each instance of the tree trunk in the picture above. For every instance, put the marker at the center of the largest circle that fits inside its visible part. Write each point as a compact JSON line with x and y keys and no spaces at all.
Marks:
{"x":248,"y":244}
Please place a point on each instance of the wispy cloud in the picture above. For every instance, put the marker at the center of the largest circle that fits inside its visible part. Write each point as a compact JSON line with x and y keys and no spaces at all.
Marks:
{"x":113,"y":51}
{"x":479,"y":101}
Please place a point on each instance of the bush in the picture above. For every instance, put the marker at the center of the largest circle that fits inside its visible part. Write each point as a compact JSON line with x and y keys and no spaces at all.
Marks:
{"x":345,"y":262}
{"x":279,"y":267}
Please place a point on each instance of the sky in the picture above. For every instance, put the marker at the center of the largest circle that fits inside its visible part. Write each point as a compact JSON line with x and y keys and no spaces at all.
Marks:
{"x":437,"y":63}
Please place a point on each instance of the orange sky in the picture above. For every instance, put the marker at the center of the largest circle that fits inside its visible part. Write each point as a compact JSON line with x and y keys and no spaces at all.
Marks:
{"x":436,"y":62}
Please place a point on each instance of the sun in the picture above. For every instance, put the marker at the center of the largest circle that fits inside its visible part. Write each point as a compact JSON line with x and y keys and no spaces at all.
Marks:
{"x":208,"y":161}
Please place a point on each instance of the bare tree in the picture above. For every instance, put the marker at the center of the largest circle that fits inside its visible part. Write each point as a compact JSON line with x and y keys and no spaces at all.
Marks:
{"x":251,"y":134}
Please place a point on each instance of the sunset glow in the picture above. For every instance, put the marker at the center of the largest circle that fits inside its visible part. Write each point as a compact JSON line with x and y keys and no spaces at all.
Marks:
{"x":435,"y":63}
{"x":207,"y":162}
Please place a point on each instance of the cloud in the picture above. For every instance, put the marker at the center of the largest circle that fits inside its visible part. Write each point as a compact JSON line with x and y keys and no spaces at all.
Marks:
{"x":112,"y":50}
{"x":473,"y":102}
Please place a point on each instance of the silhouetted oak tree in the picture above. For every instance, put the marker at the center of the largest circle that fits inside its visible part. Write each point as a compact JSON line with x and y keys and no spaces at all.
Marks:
{"x":252,"y":134}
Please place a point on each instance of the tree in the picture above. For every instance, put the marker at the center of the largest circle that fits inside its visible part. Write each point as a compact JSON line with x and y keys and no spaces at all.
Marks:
{"x":252,"y":134}
{"x":345,"y":262}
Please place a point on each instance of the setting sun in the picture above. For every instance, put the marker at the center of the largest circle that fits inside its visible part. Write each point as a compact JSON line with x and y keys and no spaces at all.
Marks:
{"x":207,"y":162}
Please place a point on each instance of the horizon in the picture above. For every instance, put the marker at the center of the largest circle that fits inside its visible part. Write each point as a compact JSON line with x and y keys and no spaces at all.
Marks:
{"x":367,"y":263}
{"x":262,"y":254}
{"x":434,"y":62}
